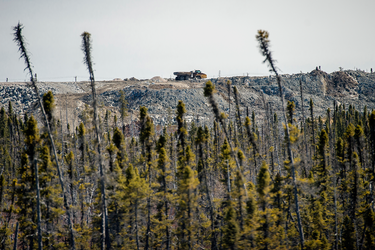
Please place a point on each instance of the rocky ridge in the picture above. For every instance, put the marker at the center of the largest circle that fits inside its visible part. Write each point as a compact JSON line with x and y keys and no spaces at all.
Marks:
{"x":158,"y":94}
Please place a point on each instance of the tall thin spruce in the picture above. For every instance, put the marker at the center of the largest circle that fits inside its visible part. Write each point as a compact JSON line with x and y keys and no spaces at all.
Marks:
{"x":86,"y":48}
{"x":19,"y":39}
{"x":263,"y":40}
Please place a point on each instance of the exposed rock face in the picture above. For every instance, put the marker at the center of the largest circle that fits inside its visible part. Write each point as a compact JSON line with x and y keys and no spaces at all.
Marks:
{"x":337,"y":84}
{"x":157,"y":101}
{"x":158,"y":94}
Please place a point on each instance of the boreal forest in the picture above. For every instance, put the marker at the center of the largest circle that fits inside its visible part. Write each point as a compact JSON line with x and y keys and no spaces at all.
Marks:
{"x":242,"y":182}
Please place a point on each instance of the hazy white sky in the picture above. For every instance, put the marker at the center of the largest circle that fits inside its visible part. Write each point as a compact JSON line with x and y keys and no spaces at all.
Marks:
{"x":146,"y":38}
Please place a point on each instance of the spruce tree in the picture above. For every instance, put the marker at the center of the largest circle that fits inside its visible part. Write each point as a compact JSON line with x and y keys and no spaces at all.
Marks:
{"x":290,"y":109}
{"x":270,"y":233}
{"x":119,"y":141}
{"x":358,"y":135}
{"x":230,"y":229}
{"x":146,"y":137}
{"x":187,"y":199}
{"x":322,"y":170}
{"x":133,"y":189}
{"x":52,"y":201}
{"x":164,"y":194}
{"x":348,"y":235}
{"x":239,"y":196}
{"x":49,"y":105}
{"x":19,"y":39}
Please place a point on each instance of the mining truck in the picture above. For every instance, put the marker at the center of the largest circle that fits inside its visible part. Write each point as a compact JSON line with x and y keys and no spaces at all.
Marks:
{"x":196,"y":74}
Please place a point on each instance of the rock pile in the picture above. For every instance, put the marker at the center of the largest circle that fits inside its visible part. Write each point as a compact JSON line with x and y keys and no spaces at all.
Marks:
{"x":21,"y":96}
{"x":158,"y":79}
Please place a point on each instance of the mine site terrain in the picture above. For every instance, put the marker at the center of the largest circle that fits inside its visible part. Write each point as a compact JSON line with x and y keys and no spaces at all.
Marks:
{"x":354,"y":87}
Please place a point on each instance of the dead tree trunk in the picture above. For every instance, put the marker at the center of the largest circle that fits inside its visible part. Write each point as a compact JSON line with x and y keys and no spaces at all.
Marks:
{"x":304,"y":128}
{"x":16,"y":237}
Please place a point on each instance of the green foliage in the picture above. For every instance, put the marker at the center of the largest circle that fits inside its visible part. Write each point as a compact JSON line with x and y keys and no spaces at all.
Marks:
{"x":132,"y":190}
{"x":148,"y":131}
{"x":49,"y":104}
{"x":81,"y":130}
{"x":5,"y":233}
{"x":123,"y":105}
{"x":263,"y":181}
{"x":186,"y":191}
{"x":209,"y":89}
{"x":181,"y":110}
{"x":32,"y":137}
{"x":51,"y":208}
{"x":4,"y":132}
{"x":290,"y":107}
{"x":118,"y":138}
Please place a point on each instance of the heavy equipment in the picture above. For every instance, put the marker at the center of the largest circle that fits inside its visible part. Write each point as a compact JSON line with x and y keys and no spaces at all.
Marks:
{"x":196,"y":74}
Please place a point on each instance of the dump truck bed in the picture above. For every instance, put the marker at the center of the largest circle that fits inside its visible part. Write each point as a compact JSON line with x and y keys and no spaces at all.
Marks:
{"x":181,"y":73}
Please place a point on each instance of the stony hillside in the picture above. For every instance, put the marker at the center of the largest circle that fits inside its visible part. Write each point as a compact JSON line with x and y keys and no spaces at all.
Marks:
{"x":157,"y":94}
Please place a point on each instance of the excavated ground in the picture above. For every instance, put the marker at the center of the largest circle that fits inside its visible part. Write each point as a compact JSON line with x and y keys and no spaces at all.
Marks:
{"x":158,"y":95}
